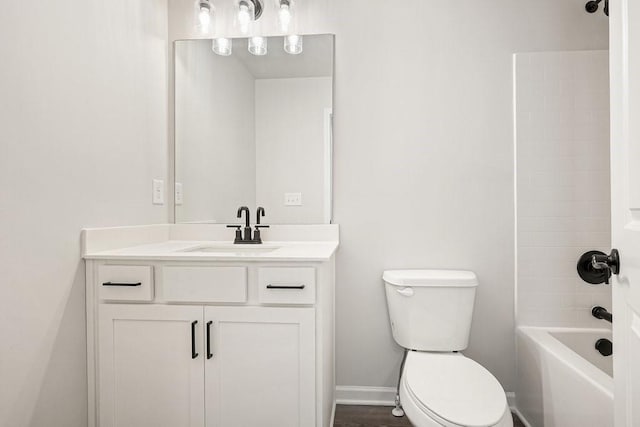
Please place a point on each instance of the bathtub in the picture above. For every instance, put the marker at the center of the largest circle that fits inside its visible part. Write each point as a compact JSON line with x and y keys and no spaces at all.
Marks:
{"x":562,"y":379}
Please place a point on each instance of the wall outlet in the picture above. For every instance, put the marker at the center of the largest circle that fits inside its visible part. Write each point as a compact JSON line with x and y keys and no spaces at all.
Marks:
{"x":158,"y":192}
{"x":293,"y":199}
{"x":178,"y":195}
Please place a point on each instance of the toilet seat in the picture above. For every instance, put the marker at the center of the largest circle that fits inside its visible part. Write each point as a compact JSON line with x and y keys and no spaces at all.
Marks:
{"x":453,"y":390}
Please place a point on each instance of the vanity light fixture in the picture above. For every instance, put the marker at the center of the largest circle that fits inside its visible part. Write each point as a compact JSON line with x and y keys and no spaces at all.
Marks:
{"x":293,"y":44}
{"x":205,"y":23}
{"x":247,"y":12}
{"x":258,"y":45}
{"x":222,"y":46}
{"x":284,"y":15}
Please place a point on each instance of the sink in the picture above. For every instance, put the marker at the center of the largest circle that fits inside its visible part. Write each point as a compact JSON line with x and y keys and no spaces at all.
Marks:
{"x":233,"y":249}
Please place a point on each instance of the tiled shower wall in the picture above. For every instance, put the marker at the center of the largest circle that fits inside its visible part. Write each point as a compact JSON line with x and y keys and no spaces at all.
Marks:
{"x":562,"y":184}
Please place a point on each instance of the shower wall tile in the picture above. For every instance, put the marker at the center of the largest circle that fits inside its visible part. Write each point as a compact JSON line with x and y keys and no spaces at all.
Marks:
{"x":562,"y":184}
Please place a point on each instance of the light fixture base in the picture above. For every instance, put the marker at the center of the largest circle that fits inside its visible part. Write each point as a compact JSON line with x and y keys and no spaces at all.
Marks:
{"x":257,"y":8}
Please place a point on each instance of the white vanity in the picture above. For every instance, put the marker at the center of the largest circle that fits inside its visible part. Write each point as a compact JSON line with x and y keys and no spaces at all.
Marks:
{"x":184,"y":328}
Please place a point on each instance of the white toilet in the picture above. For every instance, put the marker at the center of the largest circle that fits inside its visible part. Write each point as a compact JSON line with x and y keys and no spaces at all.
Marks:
{"x":430,"y":312}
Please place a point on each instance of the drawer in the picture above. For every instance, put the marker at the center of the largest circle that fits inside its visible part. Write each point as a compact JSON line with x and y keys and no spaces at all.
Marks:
{"x":125,"y":282}
{"x":287,"y":285}
{"x":204,"y":284}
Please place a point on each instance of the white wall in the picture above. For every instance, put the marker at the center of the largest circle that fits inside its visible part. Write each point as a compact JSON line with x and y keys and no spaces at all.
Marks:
{"x":83,"y":132}
{"x":290,"y":152}
{"x":424,"y":159}
{"x":215,"y":128}
{"x":563,"y":190}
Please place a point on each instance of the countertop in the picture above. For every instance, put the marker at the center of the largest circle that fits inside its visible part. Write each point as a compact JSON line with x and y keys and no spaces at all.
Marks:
{"x":190,"y":250}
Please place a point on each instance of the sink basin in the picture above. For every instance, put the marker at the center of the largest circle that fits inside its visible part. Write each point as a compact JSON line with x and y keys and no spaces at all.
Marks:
{"x":232,"y":249}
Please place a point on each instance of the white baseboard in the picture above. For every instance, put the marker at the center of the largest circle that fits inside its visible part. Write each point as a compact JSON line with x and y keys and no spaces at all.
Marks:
{"x":386,"y":396}
{"x":511,"y":400}
{"x":374,"y":396}
{"x":333,"y":414}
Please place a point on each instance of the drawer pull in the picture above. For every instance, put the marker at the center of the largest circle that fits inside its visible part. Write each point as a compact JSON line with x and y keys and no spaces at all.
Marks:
{"x":193,"y":339}
{"x":121,"y":284}
{"x":285,"y":286}
{"x":209,"y":354}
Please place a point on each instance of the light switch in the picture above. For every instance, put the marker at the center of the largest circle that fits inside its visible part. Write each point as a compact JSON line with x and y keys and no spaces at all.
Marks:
{"x":293,"y":199}
{"x":158,"y":192}
{"x":178,"y":195}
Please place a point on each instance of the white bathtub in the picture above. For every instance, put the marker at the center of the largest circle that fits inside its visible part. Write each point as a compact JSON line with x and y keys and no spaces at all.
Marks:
{"x":562,"y":379}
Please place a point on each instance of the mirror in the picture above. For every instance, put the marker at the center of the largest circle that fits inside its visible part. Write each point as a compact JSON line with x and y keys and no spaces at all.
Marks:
{"x":253,"y":131}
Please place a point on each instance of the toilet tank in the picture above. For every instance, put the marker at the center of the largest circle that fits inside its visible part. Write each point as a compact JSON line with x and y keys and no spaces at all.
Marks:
{"x":430,"y":310}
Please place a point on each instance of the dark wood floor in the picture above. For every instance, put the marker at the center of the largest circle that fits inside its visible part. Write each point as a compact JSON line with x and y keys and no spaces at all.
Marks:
{"x":377,"y":416}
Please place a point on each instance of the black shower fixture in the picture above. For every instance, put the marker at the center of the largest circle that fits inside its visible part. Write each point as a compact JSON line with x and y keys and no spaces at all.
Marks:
{"x":592,"y":6}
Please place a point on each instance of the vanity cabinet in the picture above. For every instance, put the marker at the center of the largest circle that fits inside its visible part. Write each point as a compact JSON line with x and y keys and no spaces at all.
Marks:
{"x":147,"y":376}
{"x":210,"y":344}
{"x":261,"y":367}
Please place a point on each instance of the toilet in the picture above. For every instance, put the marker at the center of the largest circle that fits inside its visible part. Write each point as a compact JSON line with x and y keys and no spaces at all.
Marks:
{"x":430,"y":313}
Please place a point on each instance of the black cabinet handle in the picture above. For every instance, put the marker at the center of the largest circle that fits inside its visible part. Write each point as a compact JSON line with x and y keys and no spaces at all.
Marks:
{"x":285,"y":286}
{"x":193,"y":339}
{"x":121,"y":284}
{"x":209,"y":354}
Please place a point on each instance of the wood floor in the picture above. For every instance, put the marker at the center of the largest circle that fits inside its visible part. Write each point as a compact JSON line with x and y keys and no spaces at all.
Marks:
{"x":377,"y":416}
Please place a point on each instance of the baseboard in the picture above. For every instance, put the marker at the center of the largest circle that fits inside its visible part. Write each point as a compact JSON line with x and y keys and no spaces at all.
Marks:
{"x":374,"y":396}
{"x":333,"y":414}
{"x":511,"y":400}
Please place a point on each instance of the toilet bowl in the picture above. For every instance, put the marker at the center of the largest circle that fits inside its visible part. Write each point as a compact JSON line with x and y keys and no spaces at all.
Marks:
{"x":430,"y":313}
{"x":449,"y":389}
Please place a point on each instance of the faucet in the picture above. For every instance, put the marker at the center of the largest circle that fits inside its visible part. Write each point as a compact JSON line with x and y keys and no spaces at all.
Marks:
{"x":247,"y":238}
{"x":601,"y":313}
{"x":247,"y":223}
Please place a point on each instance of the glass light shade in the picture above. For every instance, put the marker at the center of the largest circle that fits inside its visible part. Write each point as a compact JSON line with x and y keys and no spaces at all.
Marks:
{"x":245,"y":16}
{"x":222,"y":46}
{"x":284,"y":15}
{"x":258,"y":45}
{"x":205,"y":23}
{"x":293,"y":44}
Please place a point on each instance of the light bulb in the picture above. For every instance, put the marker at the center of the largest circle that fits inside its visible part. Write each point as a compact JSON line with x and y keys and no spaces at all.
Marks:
{"x":293,"y":44}
{"x":284,"y":15}
{"x":204,"y":17}
{"x":222,"y":46}
{"x":258,"y":45}
{"x":245,"y":16}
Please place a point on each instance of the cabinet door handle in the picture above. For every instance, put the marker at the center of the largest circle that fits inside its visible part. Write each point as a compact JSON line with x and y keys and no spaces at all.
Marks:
{"x":193,"y":339}
{"x":209,"y":354}
{"x":285,"y":286}
{"x":121,"y":284}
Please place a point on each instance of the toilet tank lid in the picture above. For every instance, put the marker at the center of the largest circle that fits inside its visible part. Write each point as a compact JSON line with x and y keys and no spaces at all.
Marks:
{"x":431,"y":278}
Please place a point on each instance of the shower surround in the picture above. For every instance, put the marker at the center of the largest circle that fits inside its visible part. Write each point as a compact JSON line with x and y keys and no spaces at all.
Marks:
{"x":562,"y":184}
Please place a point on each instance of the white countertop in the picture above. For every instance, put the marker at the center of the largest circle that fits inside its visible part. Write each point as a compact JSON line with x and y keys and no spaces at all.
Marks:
{"x":188,"y":250}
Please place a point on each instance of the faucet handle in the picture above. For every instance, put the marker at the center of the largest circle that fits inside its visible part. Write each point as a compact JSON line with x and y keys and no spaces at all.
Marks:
{"x":238,"y":228}
{"x":256,"y":235}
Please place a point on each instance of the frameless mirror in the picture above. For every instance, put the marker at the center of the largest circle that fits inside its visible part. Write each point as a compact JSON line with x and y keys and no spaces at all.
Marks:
{"x":253,"y":131}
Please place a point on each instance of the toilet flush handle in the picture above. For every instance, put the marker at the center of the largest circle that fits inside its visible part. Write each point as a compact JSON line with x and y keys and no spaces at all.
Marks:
{"x":407,"y":292}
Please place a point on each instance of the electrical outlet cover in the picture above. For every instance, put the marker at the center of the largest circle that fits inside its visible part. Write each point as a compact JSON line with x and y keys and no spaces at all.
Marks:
{"x":293,"y":199}
{"x":158,"y":192}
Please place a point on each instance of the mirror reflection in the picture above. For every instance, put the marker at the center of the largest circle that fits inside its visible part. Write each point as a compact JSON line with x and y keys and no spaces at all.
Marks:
{"x":253,"y":131}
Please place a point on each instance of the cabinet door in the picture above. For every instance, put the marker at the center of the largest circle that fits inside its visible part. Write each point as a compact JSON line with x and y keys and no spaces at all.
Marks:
{"x":148,"y":373}
{"x":260,"y":370}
